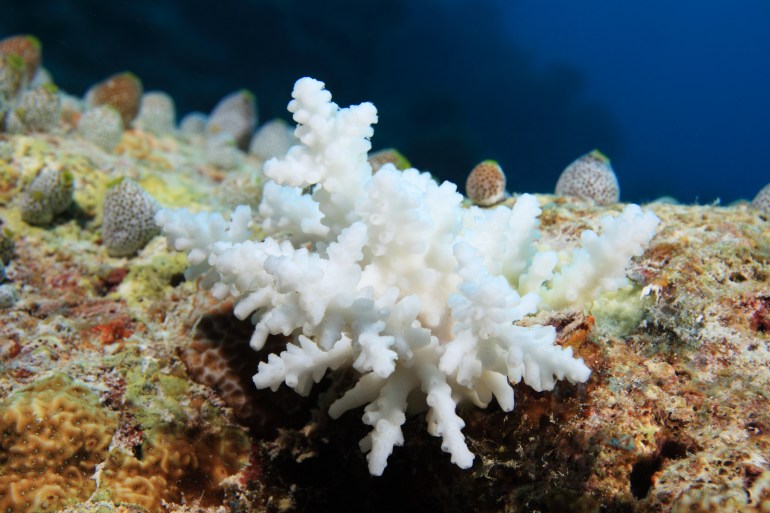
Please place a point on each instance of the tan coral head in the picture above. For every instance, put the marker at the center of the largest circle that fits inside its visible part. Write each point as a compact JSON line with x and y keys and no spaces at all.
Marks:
{"x":485,"y":185}
{"x":590,"y":177}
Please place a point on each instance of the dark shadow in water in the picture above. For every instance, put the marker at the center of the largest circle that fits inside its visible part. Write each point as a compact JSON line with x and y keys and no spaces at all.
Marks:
{"x":450,"y":86}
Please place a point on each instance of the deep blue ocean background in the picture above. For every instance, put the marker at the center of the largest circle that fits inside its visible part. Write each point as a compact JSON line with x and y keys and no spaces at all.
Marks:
{"x":677,"y":94}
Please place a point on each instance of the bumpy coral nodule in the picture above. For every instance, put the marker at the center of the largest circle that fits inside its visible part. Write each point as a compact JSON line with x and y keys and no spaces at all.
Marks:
{"x":49,"y":194}
{"x":127,"y":224}
{"x":55,"y":432}
{"x":590,"y":177}
{"x":388,"y":274}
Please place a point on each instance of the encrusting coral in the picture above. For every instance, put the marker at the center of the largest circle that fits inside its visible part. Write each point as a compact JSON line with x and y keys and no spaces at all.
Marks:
{"x":54,"y":433}
{"x":388,"y":274}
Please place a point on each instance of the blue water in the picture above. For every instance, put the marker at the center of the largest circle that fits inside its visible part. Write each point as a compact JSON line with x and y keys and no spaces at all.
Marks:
{"x":675,"y":93}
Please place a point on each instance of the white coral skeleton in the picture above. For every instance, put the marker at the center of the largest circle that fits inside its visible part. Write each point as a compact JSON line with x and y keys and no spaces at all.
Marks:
{"x":388,"y":274}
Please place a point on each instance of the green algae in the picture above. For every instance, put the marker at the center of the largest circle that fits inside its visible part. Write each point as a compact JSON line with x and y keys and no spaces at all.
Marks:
{"x":152,"y":396}
{"x":150,"y":281}
{"x":618,"y":313}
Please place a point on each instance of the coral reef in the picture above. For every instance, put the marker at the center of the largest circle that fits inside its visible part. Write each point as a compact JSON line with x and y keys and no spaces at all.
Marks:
{"x":674,"y":416}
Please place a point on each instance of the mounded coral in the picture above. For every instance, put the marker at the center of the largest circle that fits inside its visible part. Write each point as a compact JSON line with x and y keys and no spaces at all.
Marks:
{"x":590,"y":177}
{"x":157,"y":113}
{"x":49,"y":194}
{"x":379,"y":158}
{"x":54,"y":434}
{"x":27,"y":48}
{"x":235,"y":115}
{"x":485,"y":185}
{"x":761,"y":201}
{"x":8,"y":295}
{"x":272,"y":139}
{"x":38,"y":110}
{"x":12,"y":80}
{"x":122,"y":92}
{"x":193,"y":123}
{"x":101,"y":125}
{"x":128,"y":220}
{"x":7,"y":245}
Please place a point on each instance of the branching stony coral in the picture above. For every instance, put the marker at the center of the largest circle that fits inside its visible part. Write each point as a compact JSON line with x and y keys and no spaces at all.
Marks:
{"x":387,"y":273}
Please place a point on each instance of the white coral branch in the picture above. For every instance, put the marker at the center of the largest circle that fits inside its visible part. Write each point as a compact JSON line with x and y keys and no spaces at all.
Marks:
{"x":386,"y":415}
{"x":599,"y":265}
{"x":442,"y":419}
{"x":299,"y":366}
{"x":389,"y":275}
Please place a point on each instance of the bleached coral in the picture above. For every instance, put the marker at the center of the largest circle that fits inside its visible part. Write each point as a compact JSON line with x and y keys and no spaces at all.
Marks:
{"x":388,"y":274}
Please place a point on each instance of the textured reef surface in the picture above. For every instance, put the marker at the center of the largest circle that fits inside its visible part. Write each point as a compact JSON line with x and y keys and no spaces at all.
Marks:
{"x":126,"y":387}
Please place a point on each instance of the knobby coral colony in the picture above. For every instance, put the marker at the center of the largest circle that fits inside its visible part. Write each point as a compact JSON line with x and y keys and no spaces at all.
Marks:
{"x":389,"y":274}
